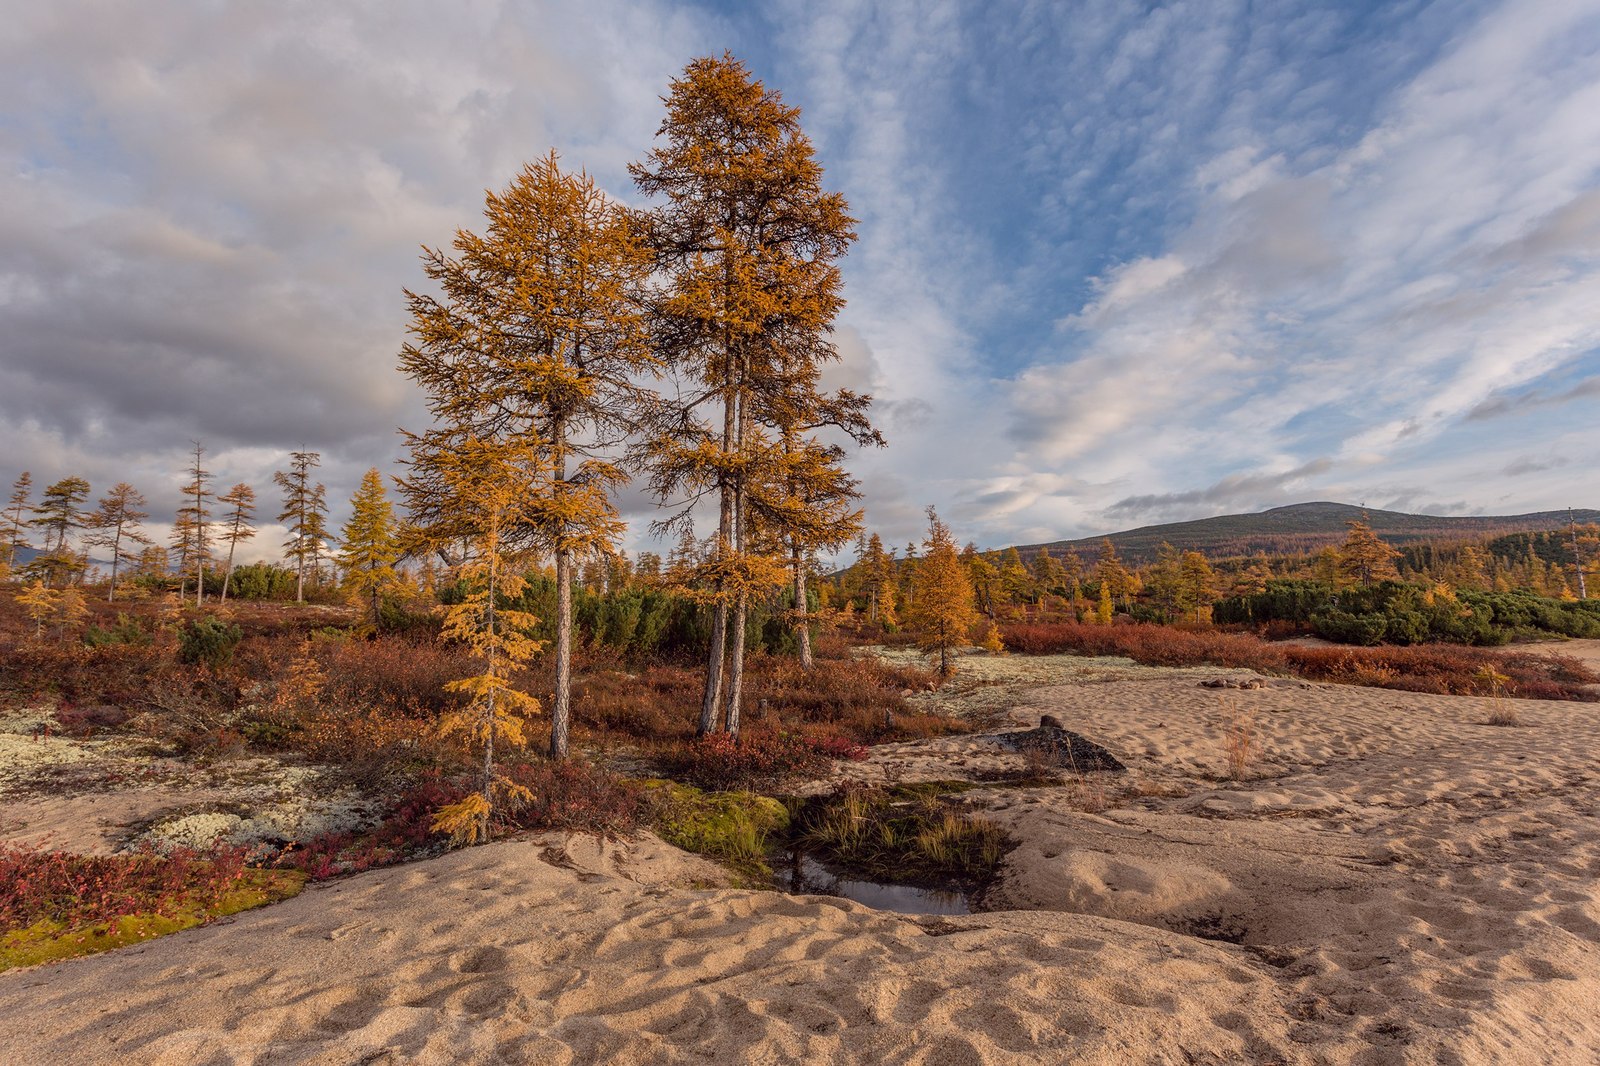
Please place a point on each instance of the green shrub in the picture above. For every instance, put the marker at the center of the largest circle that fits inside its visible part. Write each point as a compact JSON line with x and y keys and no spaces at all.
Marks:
{"x":208,"y":642}
{"x":126,"y":630}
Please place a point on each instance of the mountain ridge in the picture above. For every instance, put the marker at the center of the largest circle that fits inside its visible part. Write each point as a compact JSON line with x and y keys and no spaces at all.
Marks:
{"x":1306,"y":527}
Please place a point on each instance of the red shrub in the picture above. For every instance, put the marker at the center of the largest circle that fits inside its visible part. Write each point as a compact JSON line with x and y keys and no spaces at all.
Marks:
{"x":1439,"y":668}
{"x":84,"y":890}
{"x":719,"y":763}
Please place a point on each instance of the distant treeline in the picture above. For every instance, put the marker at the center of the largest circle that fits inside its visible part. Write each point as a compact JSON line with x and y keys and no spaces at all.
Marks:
{"x":1394,"y":612}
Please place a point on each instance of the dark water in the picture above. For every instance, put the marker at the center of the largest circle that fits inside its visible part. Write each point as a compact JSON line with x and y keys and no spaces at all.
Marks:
{"x":803,"y":875}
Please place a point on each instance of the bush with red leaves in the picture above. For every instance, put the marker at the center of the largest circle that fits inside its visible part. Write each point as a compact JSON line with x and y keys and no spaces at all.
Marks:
{"x":719,"y":763}
{"x":85,"y":890}
{"x":1450,"y":669}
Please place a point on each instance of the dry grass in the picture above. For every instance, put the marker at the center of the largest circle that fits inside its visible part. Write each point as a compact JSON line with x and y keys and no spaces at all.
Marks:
{"x":1238,"y":740}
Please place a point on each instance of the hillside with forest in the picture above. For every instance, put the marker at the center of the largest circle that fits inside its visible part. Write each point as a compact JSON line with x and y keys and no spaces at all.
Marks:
{"x":1307,"y":527}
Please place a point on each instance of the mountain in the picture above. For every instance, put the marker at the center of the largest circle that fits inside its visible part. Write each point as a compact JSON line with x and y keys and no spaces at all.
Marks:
{"x":1305,"y":527}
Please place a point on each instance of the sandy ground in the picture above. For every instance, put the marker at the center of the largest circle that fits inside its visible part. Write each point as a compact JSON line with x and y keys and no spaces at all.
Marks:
{"x":1390,"y":880}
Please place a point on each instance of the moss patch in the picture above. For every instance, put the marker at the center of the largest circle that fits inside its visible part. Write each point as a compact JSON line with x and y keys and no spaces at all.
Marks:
{"x":53,"y":941}
{"x":732,"y":827}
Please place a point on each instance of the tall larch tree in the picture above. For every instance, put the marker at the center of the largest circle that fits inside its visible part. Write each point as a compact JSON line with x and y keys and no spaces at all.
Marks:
{"x":369,"y":548}
{"x":1364,"y":558}
{"x":116,"y":528}
{"x":305,"y":509}
{"x":540,"y":336}
{"x":877,"y":582}
{"x":59,"y":514}
{"x":236,"y":525}
{"x":943,"y":611}
{"x":16,"y":526}
{"x":195,"y":518}
{"x":1112,"y":574}
{"x":747,"y":243}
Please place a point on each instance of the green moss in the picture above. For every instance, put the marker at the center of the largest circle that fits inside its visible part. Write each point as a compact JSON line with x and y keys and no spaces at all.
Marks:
{"x":52,"y":941}
{"x":732,"y":827}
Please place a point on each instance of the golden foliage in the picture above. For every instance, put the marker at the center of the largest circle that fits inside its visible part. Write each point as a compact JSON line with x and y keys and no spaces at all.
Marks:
{"x":943,"y":610}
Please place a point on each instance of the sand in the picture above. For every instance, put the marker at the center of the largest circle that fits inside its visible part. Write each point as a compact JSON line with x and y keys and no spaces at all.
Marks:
{"x":1391,"y":880}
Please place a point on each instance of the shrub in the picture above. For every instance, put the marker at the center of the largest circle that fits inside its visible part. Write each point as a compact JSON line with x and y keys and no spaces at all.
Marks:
{"x":1441,"y":668}
{"x":719,"y":763}
{"x":75,"y":891}
{"x":208,"y":642}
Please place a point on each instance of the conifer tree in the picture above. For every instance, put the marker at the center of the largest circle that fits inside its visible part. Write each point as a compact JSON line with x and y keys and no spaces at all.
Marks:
{"x":480,"y":490}
{"x":236,"y":527}
{"x":305,"y":509}
{"x":985,"y":578}
{"x":1111,"y":573}
{"x":1016,"y":583}
{"x":58,"y":514}
{"x":810,"y":506}
{"x":540,"y":337}
{"x":116,"y":527}
{"x":14,"y":528}
{"x":195,"y":519}
{"x":369,"y":546}
{"x":878,"y":581}
{"x":1364,"y":558}
{"x":1071,"y":575}
{"x":1049,"y":577}
{"x":747,"y":241}
{"x":943,"y":612}
{"x":1195,"y":579}
{"x":39,"y":604}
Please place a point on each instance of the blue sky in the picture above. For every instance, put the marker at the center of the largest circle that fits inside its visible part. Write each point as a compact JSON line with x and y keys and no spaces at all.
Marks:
{"x":1118,"y":263}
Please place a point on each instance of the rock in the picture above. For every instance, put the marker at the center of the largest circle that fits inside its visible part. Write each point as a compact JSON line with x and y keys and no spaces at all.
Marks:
{"x":1234,"y":682}
{"x":1063,"y":748}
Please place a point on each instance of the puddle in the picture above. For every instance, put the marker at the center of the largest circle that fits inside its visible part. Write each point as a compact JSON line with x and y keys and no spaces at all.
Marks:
{"x":805,"y":876}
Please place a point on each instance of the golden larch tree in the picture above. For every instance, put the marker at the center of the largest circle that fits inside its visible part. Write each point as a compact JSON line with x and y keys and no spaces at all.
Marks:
{"x":368,"y":548}
{"x":539,"y":337}
{"x":943,"y":611}
{"x":747,"y":242}
{"x":236,"y":527}
{"x":487,"y":485}
{"x":115,"y":527}
{"x":1364,"y":558}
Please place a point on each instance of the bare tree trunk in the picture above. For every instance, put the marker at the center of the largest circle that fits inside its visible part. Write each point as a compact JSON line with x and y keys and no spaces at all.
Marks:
{"x":561,"y":711}
{"x":741,"y":610}
{"x":719,"y":617}
{"x":116,"y":556}
{"x":736,"y":666}
{"x":802,"y":623}
{"x":1577,"y":560}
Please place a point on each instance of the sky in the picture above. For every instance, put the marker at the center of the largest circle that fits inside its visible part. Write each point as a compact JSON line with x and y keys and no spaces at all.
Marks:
{"x":1118,"y":263}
